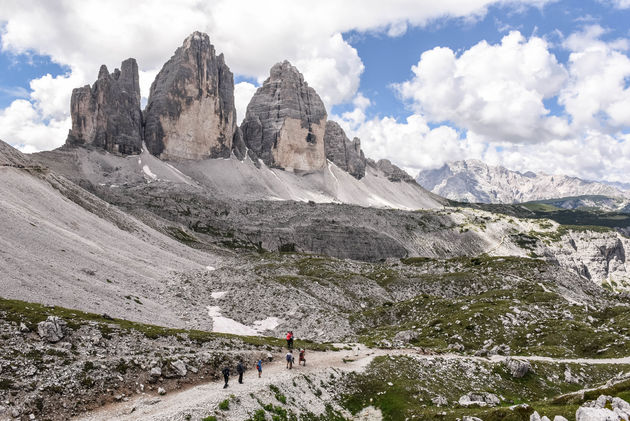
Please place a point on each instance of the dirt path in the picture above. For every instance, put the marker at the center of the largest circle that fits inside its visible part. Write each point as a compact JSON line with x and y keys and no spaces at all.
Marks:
{"x":209,"y":395}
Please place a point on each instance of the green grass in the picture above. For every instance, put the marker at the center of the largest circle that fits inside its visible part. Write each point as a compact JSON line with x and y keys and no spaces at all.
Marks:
{"x":224,"y":405}
{"x":402,"y":387}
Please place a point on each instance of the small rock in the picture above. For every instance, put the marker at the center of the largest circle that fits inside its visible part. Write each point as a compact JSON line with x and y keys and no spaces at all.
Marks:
{"x":439,"y":401}
{"x":16,"y":413}
{"x":480,"y":399}
{"x":559,"y":418}
{"x":156,"y":372}
{"x":535,"y":416}
{"x":469,"y":418}
{"x":518,"y":368}
{"x":180,"y":368}
{"x":52,"y":329}
{"x":31,"y":417}
{"x":161,"y":391}
{"x":406,"y":336}
{"x":24,"y":328}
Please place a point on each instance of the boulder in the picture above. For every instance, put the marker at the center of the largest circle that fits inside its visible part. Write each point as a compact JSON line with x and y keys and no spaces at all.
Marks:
{"x":596,"y":414}
{"x":559,"y":418}
{"x":342,"y":152}
{"x":406,"y":336}
{"x":518,"y":368}
{"x":179,"y":367}
{"x":161,"y":391}
{"x":439,"y":401}
{"x":285,"y":122}
{"x":190,"y":113}
{"x":479,"y":399}
{"x":155,"y":372}
{"x":52,"y":329}
{"x":108,"y":115}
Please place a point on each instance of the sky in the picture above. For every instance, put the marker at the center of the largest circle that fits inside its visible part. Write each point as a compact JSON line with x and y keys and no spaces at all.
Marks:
{"x":533,"y":85}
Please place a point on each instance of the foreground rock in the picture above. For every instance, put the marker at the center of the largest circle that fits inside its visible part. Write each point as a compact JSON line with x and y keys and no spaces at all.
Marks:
{"x":107,"y":115}
{"x":286,"y":121}
{"x":190,"y":113}
{"x":605,"y":408}
{"x":345,"y":154}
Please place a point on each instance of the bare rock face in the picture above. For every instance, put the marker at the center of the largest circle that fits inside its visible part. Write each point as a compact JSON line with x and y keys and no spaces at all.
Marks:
{"x":285,"y":122}
{"x":391,"y":171}
{"x":52,"y":329}
{"x":107,"y":115}
{"x":342,"y":152}
{"x":190,"y":113}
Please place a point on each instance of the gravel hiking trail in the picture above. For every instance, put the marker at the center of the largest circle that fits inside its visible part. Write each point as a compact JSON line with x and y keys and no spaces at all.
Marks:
{"x":207,"y":396}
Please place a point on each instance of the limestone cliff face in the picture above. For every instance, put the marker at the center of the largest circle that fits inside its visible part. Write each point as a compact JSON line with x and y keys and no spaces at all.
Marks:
{"x":190,"y":113}
{"x":107,"y":115}
{"x":345,"y":154}
{"x":285,"y":122}
{"x":391,"y":171}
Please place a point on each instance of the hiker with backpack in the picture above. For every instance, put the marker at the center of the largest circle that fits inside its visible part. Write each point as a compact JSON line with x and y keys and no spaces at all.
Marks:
{"x":290,"y":339}
{"x":289,"y":358}
{"x":259,"y":368}
{"x":240,"y":370}
{"x":226,"y":376}
{"x":302,"y":358}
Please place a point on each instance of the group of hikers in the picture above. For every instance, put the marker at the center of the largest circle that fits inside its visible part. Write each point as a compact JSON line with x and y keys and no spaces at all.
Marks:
{"x":240,"y":368}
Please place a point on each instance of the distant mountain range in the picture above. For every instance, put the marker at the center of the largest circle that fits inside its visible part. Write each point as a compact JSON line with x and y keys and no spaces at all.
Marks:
{"x":476,"y":182}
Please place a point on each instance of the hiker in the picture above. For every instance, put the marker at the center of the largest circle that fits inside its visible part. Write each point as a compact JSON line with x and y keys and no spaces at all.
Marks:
{"x":289,"y":360}
{"x":259,"y":368}
{"x":290,"y":339}
{"x":302,"y":358}
{"x":240,"y":369}
{"x":226,"y":376}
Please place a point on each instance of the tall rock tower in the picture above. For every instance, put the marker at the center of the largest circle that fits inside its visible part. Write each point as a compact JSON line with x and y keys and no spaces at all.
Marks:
{"x":107,"y":115}
{"x":286,"y":121}
{"x":190,"y":113}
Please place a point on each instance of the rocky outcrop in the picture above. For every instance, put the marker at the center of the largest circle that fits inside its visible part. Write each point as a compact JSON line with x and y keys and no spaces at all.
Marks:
{"x":391,"y":171}
{"x":52,"y":329}
{"x":107,"y":115}
{"x":190,"y":113}
{"x":11,"y":157}
{"x":285,"y":122}
{"x":342,"y":152}
{"x":479,"y":399}
{"x":605,"y":408}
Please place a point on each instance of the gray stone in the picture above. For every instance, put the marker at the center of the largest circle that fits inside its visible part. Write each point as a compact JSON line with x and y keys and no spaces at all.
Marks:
{"x":439,"y":401}
{"x":285,"y":122}
{"x":345,"y":154}
{"x":24,"y":328}
{"x":190,"y":113}
{"x":108,"y":115}
{"x":161,"y":391}
{"x":155,"y":372}
{"x":479,"y":399}
{"x":595,"y":414}
{"x":406,"y":336}
{"x":52,"y":329}
{"x":518,"y":368}
{"x":559,"y":418}
{"x":180,"y":368}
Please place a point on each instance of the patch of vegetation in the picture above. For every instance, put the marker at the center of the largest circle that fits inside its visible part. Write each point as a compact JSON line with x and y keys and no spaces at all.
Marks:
{"x":279,"y":396}
{"x":224,"y":405}
{"x":403,"y":388}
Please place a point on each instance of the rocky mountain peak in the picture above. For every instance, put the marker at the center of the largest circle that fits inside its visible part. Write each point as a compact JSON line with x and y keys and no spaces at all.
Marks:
{"x":285,"y":122}
{"x":190,"y":113}
{"x":107,"y":114}
{"x":342,"y":152}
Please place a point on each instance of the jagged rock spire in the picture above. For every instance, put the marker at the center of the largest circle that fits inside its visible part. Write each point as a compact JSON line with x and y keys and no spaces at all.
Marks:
{"x":108,"y":115}
{"x":285,"y":122}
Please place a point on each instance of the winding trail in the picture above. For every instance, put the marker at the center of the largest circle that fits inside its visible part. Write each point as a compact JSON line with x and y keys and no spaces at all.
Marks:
{"x":209,"y":395}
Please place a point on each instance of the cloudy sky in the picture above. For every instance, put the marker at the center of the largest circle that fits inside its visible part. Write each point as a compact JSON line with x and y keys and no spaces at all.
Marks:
{"x":540,"y":85}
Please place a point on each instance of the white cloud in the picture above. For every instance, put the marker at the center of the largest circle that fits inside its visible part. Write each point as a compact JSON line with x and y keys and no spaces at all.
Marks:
{"x":597,"y":95}
{"x":23,"y":125}
{"x":494,"y":90}
{"x":619,"y":4}
{"x":83,"y":34}
{"x":243,"y":93}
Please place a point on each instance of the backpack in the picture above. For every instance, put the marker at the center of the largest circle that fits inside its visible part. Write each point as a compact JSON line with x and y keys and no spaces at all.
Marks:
{"x":239,"y":368}
{"x":289,"y":357}
{"x":226,"y":371}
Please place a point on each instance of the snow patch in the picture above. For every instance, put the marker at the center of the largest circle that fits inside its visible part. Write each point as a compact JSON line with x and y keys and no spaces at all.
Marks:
{"x":210,"y":268}
{"x":218,"y":294}
{"x":221,"y":324}
{"x":148,"y":172}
